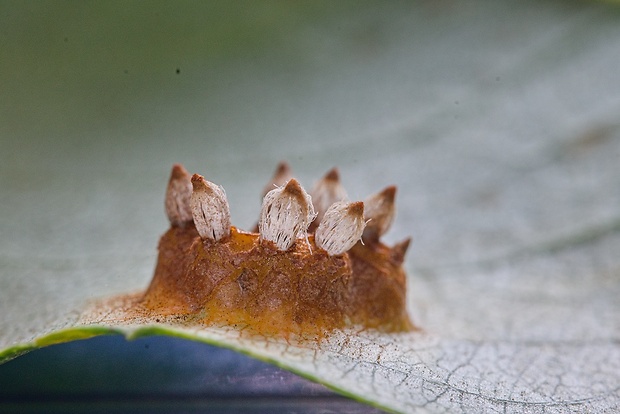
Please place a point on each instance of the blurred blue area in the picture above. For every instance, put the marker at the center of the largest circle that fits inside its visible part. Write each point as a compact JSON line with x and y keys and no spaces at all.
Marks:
{"x":158,"y":374}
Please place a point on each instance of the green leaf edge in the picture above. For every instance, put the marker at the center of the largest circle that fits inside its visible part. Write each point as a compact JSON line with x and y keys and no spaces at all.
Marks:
{"x":86,"y":332}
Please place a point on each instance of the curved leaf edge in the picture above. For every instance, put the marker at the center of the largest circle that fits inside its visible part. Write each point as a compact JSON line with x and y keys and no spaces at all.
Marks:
{"x":86,"y":332}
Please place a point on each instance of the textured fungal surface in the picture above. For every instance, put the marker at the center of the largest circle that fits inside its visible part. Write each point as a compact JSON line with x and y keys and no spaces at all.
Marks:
{"x":283,"y":279}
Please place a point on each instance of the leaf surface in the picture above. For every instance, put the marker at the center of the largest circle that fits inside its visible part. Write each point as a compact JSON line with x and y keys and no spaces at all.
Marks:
{"x":498,"y":122}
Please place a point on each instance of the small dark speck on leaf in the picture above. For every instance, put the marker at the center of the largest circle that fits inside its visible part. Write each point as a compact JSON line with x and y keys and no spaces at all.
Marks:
{"x":178,"y":71}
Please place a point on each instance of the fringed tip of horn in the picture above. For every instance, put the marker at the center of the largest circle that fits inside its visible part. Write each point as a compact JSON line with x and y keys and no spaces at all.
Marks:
{"x":178,"y":193}
{"x":288,"y":212}
{"x":342,"y":226}
{"x":285,"y":215}
{"x":210,"y":210}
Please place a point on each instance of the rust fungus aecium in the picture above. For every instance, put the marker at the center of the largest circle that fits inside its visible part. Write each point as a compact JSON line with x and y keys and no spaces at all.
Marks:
{"x":291,"y":277}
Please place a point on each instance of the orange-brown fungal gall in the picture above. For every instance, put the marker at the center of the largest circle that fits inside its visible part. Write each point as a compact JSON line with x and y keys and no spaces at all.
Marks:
{"x":281,"y":281}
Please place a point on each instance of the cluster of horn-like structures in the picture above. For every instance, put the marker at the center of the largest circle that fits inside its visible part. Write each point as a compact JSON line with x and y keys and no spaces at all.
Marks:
{"x":288,"y":212}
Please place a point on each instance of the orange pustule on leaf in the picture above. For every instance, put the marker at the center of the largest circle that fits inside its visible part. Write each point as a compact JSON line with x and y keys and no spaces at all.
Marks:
{"x":280,"y":281}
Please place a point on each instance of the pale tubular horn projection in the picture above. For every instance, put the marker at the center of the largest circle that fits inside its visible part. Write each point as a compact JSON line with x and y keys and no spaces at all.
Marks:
{"x":342,"y":226}
{"x":379,"y":213}
{"x":178,"y":194}
{"x":210,"y":209}
{"x":285,"y":215}
{"x":326,"y":192}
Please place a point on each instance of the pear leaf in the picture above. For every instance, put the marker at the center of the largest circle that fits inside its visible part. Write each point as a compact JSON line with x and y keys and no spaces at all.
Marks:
{"x":498,"y":122}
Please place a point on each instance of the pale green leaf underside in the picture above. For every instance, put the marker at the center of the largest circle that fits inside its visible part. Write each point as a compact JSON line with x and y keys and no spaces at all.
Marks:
{"x":497,"y":121}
